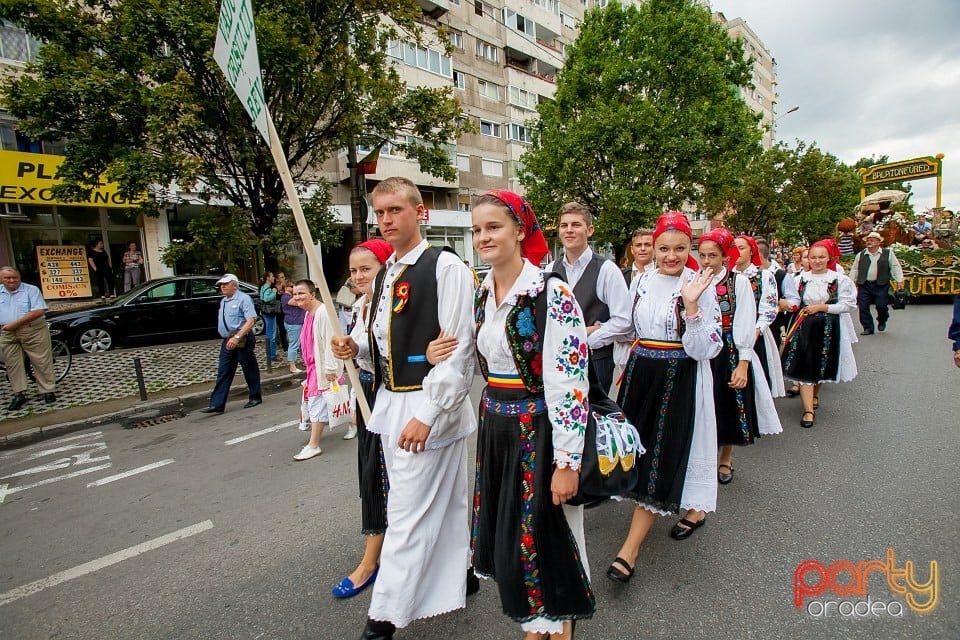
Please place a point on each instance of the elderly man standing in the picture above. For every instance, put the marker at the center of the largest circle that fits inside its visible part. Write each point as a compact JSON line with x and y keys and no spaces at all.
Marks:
{"x":235,"y":324}
{"x":874,"y":269}
{"x":23,"y":330}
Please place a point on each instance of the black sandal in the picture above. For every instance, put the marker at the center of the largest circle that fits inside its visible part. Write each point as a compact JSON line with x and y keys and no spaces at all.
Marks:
{"x":793,"y":391}
{"x":816,"y":402}
{"x":616,"y":574}
{"x":685,"y":528}
{"x":725,"y":478}
{"x":807,"y":423}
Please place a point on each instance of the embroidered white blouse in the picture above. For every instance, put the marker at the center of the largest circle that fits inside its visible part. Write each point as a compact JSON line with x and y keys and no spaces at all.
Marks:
{"x":565,"y":355}
{"x":767,"y":308}
{"x":359,"y":331}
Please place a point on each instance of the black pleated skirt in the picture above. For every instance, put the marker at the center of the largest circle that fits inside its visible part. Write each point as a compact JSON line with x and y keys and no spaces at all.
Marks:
{"x":520,"y":538}
{"x":658,"y":397}
{"x":812,"y":355}
{"x":737,"y":422}
{"x":374,"y":484}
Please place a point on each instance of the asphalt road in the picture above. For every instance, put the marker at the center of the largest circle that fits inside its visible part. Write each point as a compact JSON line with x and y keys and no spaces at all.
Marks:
{"x":239,"y":541}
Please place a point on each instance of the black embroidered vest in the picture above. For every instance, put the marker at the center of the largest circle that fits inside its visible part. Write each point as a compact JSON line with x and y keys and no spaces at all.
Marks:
{"x":529,"y":363}
{"x":585,"y":291}
{"x":727,"y":299}
{"x":411,"y":325}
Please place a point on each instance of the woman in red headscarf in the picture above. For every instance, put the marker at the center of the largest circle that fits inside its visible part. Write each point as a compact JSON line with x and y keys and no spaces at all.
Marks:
{"x":764,"y":286}
{"x":667,"y":391}
{"x":819,"y":348}
{"x":745,"y":410}
{"x":366,"y":260}
{"x":532,"y":348}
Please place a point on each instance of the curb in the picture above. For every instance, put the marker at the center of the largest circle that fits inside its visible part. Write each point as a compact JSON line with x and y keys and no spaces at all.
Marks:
{"x":130,"y":418}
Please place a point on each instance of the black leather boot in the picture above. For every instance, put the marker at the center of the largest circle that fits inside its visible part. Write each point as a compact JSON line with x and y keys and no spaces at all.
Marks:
{"x":378,"y":630}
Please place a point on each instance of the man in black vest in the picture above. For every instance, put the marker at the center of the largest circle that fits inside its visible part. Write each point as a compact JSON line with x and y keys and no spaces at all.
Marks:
{"x":597,"y":285}
{"x":423,"y":414}
{"x":874,"y":269}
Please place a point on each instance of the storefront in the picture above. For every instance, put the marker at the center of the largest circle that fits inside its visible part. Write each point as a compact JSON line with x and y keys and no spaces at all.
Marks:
{"x":30,"y":217}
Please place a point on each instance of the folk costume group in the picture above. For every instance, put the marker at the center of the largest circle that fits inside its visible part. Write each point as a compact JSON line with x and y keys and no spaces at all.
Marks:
{"x":693,"y":383}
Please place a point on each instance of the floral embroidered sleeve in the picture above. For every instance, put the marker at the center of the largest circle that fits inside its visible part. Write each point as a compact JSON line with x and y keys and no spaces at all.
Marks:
{"x":565,"y":373}
{"x":769,"y":301}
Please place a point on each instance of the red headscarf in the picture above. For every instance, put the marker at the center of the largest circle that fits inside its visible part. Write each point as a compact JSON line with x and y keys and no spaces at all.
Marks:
{"x":676,"y":221}
{"x":725,"y":240}
{"x":754,"y":249}
{"x":378,"y":247}
{"x":533,"y":247}
{"x":832,"y":250}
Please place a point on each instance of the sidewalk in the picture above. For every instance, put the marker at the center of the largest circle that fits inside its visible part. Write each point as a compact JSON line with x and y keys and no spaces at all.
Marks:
{"x":102,"y":388}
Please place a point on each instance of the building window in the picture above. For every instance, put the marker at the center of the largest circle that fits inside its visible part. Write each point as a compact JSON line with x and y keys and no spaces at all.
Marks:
{"x":456,"y":39}
{"x":16,"y":44}
{"x":488,"y":90}
{"x":427,"y":59}
{"x":463,"y":162}
{"x":523,"y":99}
{"x":518,"y":132}
{"x":459,"y":80}
{"x":478,"y":8}
{"x":518,"y":22}
{"x":550,"y":5}
{"x":492,"y":168}
{"x":489,"y":129}
{"x":567,"y":20}
{"x":486,"y":50}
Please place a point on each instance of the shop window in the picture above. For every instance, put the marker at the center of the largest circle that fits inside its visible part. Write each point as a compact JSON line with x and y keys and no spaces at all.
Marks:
{"x":79,"y":216}
{"x":37,"y":214}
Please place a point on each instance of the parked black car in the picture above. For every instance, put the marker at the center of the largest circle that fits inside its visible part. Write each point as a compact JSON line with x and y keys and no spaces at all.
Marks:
{"x":162,"y":310}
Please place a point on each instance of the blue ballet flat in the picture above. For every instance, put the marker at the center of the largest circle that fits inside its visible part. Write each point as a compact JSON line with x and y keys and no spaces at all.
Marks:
{"x":346,"y":589}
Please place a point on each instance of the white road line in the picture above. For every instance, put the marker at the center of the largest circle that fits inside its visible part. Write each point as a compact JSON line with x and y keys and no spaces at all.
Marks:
{"x":47,"y":443}
{"x":127,"y":474}
{"x":95,"y":565}
{"x":262,"y":432}
{"x":65,"y":476}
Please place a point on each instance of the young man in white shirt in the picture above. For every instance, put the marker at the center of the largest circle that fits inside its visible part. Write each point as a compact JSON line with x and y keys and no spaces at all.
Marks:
{"x":597,"y":285}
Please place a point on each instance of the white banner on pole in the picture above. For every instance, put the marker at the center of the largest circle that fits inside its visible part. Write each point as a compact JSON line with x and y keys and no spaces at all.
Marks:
{"x":236,"y":54}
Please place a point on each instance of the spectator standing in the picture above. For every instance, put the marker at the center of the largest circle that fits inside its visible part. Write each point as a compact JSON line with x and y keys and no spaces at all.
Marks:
{"x":953,"y":333}
{"x":293,"y":323}
{"x":270,"y":308}
{"x":235,"y":325}
{"x":874,"y":270}
{"x":101,"y":269}
{"x":132,"y":263}
{"x":23,"y":331}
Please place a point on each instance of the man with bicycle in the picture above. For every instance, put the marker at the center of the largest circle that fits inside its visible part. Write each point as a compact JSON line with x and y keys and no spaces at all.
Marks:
{"x":24,"y":331}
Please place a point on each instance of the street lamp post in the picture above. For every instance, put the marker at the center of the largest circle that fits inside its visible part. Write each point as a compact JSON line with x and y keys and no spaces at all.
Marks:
{"x":773,"y":125}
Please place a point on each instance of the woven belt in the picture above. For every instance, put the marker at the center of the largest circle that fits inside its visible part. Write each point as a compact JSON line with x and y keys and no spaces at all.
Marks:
{"x":504,"y":381}
{"x":659,"y":349}
{"x":505,"y":408}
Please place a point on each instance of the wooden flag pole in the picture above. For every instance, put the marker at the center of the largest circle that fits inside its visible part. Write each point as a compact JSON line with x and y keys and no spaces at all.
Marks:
{"x":314,"y":259}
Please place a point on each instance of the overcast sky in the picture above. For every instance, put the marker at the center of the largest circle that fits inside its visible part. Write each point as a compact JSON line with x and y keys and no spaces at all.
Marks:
{"x":871,"y":78}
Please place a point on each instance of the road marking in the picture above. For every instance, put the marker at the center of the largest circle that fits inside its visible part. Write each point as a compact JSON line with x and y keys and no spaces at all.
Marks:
{"x":262,"y":432}
{"x":127,"y":474}
{"x":95,"y":565}
{"x":47,"y":443}
{"x":66,"y":476}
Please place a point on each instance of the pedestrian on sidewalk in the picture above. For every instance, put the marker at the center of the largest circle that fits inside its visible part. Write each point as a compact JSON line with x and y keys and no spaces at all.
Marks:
{"x":874,"y":270}
{"x":101,"y":270}
{"x":270,"y":309}
{"x":366,"y":261}
{"x":132,"y":263}
{"x":422,"y":412}
{"x":819,"y":348}
{"x":323,"y":369}
{"x":235,"y":325}
{"x":293,"y":323}
{"x":23,"y":331}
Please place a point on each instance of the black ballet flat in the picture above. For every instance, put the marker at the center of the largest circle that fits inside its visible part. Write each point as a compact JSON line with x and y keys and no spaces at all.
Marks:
{"x":807,"y":423}
{"x":686,"y":530}
{"x":724,"y":478}
{"x":618,"y":575}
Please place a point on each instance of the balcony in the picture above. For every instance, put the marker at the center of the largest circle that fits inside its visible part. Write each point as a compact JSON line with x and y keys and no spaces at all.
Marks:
{"x":434,"y":8}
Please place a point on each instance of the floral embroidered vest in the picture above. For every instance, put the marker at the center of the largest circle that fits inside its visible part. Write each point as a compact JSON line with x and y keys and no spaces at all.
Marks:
{"x":727,"y":299}
{"x":526,"y":324}
{"x":833,"y":291}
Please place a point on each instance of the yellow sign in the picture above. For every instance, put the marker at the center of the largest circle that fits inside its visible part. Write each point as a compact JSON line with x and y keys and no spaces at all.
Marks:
{"x":27,"y":178}
{"x":63,"y":272}
{"x":928,"y":167}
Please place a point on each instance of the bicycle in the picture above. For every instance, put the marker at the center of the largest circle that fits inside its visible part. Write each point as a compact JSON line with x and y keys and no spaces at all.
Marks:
{"x":62,"y":359}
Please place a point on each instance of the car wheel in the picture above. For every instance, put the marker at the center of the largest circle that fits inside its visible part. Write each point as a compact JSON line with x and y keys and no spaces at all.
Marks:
{"x":94,"y":340}
{"x":259,"y":326}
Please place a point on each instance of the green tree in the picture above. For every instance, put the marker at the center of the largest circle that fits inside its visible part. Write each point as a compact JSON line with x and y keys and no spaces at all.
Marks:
{"x":647,"y":115}
{"x":131,"y":85}
{"x":756,"y":204}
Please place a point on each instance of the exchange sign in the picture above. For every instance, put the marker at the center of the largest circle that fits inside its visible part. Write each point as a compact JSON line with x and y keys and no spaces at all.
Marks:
{"x":63,"y":272}
{"x":236,"y":54}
